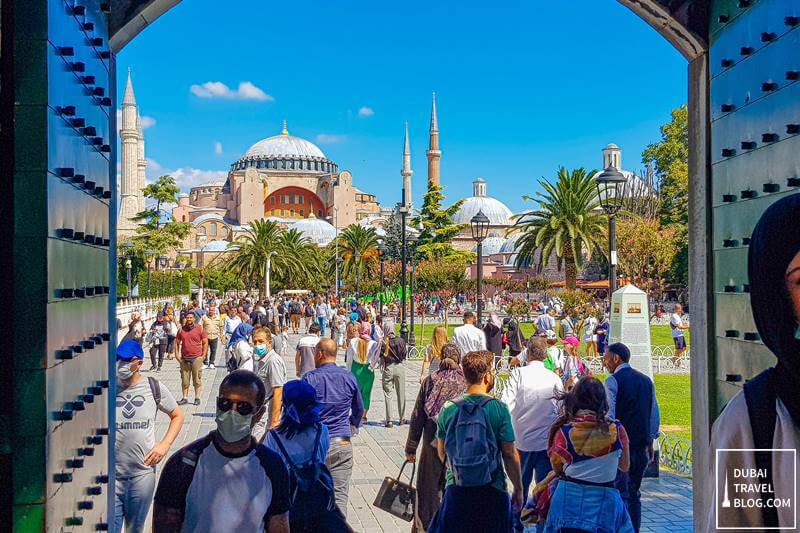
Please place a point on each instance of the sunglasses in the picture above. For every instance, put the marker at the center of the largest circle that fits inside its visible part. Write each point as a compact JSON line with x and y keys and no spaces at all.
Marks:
{"x":243,"y":408}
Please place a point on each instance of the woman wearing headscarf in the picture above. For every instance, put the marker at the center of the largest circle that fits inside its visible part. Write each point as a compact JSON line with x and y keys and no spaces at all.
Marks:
{"x":302,"y":441}
{"x":434,"y":352}
{"x":393,"y":371}
{"x":361,"y":359}
{"x":445,"y":384}
{"x":352,"y":329}
{"x":494,"y":335}
{"x":766,"y":413}
{"x":240,"y":349}
{"x":516,"y":341}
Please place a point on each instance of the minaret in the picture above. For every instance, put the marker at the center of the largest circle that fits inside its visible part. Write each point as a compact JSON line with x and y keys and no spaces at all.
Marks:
{"x":406,"y":172}
{"x":434,"y":154}
{"x":129,"y":174}
{"x":141,"y":164}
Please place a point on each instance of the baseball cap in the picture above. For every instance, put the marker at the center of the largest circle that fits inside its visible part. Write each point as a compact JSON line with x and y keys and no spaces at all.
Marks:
{"x":129,"y":349}
{"x":551,"y":334}
{"x":540,"y":332}
{"x":572,"y":340}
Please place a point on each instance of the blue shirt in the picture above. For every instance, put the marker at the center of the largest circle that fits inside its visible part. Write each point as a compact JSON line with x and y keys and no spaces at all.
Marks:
{"x":338,"y":393}
{"x":611,"y":393}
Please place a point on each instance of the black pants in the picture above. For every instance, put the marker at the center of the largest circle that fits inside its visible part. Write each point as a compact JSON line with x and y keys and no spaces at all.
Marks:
{"x":212,"y":351}
{"x":629,"y":484}
{"x":157,"y":352}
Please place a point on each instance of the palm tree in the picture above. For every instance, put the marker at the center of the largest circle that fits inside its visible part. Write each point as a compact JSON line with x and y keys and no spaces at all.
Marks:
{"x":569,"y":223}
{"x":251,"y":250}
{"x":356,"y":245}
{"x":301,"y":260}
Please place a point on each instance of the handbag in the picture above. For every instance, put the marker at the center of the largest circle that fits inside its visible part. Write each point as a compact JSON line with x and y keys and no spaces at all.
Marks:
{"x":398,"y":498}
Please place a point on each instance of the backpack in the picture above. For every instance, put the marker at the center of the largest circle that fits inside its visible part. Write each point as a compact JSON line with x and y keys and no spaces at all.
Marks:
{"x":470,"y":444}
{"x":760,"y":395}
{"x":295,"y":308}
{"x":187,"y":464}
{"x":312,"y":484}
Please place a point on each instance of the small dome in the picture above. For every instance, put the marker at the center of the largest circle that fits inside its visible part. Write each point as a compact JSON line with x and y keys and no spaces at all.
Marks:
{"x":612,"y":146}
{"x":499,"y":214}
{"x":319,"y":231}
{"x":509,"y":245}
{"x":216,"y":246}
{"x":491,"y":246}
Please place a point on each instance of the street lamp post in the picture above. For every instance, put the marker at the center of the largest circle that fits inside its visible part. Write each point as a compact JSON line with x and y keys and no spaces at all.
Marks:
{"x":336,"y":247}
{"x":480,"y":229}
{"x":357,"y":256}
{"x":127,"y":245}
{"x":411,"y":239}
{"x":147,"y":255}
{"x":162,"y":263}
{"x":382,"y":253}
{"x":611,"y":189}
{"x":403,"y":210}
{"x":268,"y":271}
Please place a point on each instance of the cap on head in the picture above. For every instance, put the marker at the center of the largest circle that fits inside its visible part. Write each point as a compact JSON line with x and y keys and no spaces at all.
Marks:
{"x":128,"y":350}
{"x":572,"y":340}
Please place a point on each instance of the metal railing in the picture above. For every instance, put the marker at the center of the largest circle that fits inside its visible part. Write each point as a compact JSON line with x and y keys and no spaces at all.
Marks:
{"x":675,"y":453}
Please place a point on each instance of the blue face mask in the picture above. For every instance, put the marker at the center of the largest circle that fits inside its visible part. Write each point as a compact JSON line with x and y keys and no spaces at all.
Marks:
{"x":260,"y":351}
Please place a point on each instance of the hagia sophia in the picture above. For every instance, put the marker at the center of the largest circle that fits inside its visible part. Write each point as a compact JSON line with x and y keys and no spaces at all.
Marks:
{"x":290,"y":180}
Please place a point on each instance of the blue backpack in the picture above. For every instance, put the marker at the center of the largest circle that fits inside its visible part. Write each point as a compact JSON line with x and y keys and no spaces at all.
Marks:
{"x":470,"y":444}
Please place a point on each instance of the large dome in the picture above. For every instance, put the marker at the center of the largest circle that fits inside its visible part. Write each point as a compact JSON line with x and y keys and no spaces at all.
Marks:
{"x":286,"y":152}
{"x":284,"y":145}
{"x":495,"y":210}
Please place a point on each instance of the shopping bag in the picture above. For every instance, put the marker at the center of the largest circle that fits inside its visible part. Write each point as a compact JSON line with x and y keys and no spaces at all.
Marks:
{"x":398,"y":498}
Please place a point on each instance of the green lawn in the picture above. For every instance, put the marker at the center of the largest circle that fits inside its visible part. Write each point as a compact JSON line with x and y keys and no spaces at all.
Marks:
{"x":674,"y":395}
{"x":659,"y":335}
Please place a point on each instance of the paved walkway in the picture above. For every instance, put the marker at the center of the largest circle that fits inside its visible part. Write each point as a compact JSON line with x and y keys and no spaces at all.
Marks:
{"x":378,"y":452}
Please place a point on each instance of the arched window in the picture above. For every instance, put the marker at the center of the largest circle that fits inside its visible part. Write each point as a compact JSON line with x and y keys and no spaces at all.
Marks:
{"x":213,"y":229}
{"x":201,"y":231}
{"x":224,"y":231}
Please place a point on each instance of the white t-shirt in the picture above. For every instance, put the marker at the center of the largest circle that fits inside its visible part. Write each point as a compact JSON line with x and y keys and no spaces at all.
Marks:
{"x":675,"y":321}
{"x":244,"y":355}
{"x":529,"y":397}
{"x":589,"y":325}
{"x":468,"y":338}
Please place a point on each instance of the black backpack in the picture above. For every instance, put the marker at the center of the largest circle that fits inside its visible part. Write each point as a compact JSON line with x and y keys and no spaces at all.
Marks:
{"x":760,"y":395}
{"x":312,"y":484}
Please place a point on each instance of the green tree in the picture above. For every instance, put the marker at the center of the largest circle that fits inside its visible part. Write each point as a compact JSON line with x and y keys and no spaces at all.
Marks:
{"x":438,"y":228}
{"x":394,"y":236}
{"x":357,"y":245}
{"x":670,"y":160}
{"x":646,"y":251}
{"x":568,"y":224}
{"x":155,"y":233}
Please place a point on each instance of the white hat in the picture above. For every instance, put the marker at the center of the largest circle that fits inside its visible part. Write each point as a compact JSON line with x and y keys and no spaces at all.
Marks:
{"x":551,"y":335}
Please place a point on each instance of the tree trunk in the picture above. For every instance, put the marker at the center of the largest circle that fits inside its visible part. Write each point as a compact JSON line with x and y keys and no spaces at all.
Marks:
{"x":570,"y":270}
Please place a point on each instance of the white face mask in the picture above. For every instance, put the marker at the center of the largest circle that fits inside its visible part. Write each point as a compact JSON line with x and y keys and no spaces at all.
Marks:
{"x":124,"y":372}
{"x":232,"y":426}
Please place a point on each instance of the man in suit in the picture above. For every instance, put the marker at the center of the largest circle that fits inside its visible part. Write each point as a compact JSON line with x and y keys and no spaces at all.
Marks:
{"x":632,"y":401}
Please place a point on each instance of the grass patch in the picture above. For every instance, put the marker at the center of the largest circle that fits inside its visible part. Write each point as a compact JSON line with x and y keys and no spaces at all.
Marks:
{"x":659,"y":335}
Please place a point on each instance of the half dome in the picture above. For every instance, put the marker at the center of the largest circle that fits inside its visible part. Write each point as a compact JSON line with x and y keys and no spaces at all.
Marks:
{"x":318,"y":231}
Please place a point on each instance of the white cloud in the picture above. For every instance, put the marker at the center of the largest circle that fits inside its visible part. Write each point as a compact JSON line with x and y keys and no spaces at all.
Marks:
{"x":365,"y":111}
{"x":188,"y":177}
{"x":329,"y":138}
{"x":216,"y":89}
{"x":144,"y":121}
{"x":218,"y":148}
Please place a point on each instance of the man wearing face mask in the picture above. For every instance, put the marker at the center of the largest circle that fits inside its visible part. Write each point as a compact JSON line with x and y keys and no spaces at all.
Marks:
{"x":272,"y":371}
{"x":766,"y":413}
{"x":135,"y":448}
{"x":226,"y":481}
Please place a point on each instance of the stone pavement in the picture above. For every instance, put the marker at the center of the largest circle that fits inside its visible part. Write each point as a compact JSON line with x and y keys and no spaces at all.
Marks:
{"x":378,"y":452}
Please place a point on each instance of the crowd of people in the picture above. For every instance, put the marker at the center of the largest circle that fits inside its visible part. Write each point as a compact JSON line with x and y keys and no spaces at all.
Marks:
{"x":281,"y":457}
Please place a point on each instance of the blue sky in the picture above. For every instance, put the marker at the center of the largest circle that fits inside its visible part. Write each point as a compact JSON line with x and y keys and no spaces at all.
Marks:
{"x":522,"y":87}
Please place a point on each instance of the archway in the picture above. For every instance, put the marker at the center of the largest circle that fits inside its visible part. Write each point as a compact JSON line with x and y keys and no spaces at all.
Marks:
{"x":294,"y":202}
{"x":58,"y":138}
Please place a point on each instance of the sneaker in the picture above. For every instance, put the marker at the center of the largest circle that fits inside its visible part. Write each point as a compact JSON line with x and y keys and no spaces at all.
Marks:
{"x":158,"y":369}
{"x":402,"y":421}
{"x":389,"y":424}
{"x":197,"y":401}
{"x":183,"y":401}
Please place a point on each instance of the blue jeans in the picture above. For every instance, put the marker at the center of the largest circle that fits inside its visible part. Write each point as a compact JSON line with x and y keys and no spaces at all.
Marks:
{"x":321,"y":320}
{"x":585,"y":508}
{"x":629,"y":484}
{"x":133,"y":497}
{"x":531,"y":462}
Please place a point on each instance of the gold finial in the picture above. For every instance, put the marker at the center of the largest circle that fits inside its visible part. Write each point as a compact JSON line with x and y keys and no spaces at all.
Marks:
{"x":284,"y":131}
